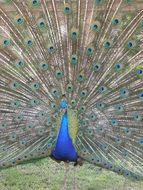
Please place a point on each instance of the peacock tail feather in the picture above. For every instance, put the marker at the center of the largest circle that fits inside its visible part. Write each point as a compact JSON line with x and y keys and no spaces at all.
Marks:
{"x":92,"y":53}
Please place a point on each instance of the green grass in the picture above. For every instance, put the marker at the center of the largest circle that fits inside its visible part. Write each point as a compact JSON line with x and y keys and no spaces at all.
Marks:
{"x":49,"y":175}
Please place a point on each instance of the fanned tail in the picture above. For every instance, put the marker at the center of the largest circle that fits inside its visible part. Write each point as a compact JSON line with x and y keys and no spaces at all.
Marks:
{"x":92,"y":52}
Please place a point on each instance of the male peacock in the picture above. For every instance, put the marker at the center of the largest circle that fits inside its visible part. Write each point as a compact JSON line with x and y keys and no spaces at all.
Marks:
{"x":71,"y":82}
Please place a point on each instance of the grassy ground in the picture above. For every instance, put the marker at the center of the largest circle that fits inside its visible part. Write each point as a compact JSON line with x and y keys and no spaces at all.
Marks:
{"x":46,"y":174}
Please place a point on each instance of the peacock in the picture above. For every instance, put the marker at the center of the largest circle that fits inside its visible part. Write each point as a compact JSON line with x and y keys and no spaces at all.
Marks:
{"x":71,"y":83}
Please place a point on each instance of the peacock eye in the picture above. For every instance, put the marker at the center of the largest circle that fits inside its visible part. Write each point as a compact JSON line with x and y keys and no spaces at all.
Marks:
{"x":19,"y":118}
{"x":49,"y":122}
{"x":19,"y":20}
{"x":80,"y":78}
{"x":29,"y":126}
{"x":100,"y":105}
{"x":69,"y":88}
{"x":51,"y":49}
{"x":95,"y":26}
{"x":96,"y":67}
{"x":3,"y":125}
{"x":74,"y":35}
{"x":82,"y":109}
{"x":119,"y":108}
{"x":124,"y":93}
{"x":55,"y":92}
{"x":20,"y":63}
{"x":114,"y":122}
{"x":74,"y":60}
{"x":99,"y":2}
{"x":116,"y":22}
{"x":89,"y":51}
{"x":102,"y":89}
{"x":35,"y":86}
{"x":44,"y":66}
{"x":15,"y":103}
{"x":67,"y":10}
{"x":131,"y":44}
{"x":59,"y":74}
{"x":141,"y":96}
{"x":40,"y":131}
{"x":139,"y":72}
{"x":93,"y":117}
{"x":83,"y":93}
{"x":137,"y":117}
{"x":84,"y":123}
{"x":73,"y":103}
{"x":29,"y":42}
{"x":118,"y":140}
{"x":107,"y":44}
{"x":13,"y":137}
{"x":53,"y":105}
{"x":141,"y":142}
{"x":6,"y":43}
{"x":23,"y":142}
{"x":42,"y":24}
{"x":118,"y":67}
{"x":35,"y":3}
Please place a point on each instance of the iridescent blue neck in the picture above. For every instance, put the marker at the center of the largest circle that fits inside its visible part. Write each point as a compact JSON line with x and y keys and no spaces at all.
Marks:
{"x":64,"y":149}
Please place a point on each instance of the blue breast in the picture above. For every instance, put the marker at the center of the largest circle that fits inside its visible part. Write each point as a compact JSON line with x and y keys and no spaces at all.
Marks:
{"x":64,"y":149}
{"x":63,"y":104}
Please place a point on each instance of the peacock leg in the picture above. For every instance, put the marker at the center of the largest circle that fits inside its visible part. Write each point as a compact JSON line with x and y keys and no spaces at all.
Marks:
{"x":75,"y":181}
{"x":67,"y":169}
